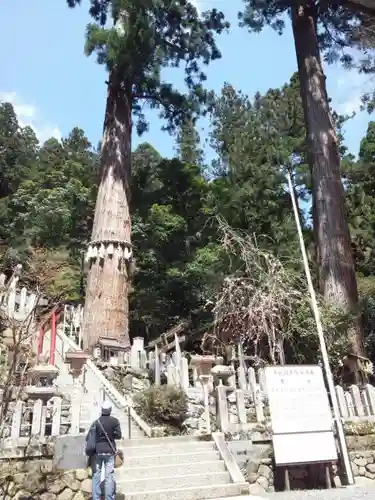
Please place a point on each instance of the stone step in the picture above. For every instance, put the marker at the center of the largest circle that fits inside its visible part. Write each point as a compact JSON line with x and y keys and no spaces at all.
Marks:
{"x":163,"y":440}
{"x":174,"y":481}
{"x":134,"y":429}
{"x":124,"y":422}
{"x":169,"y":458}
{"x":135,"y":432}
{"x":169,"y":470}
{"x":157,"y":449}
{"x":88,"y":411}
{"x":192,"y":493}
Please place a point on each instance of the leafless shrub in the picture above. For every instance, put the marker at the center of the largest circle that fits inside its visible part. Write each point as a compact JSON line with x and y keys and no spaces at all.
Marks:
{"x":256,"y":302}
{"x":16,"y":354}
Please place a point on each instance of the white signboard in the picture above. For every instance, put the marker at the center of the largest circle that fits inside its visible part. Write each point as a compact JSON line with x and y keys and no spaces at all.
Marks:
{"x":301,"y":417}
{"x":308,"y":448}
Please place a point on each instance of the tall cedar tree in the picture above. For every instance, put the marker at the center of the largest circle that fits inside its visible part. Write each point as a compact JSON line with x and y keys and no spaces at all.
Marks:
{"x":320,"y":28}
{"x":249,"y":190}
{"x":360,"y":182}
{"x":147,"y":36}
{"x":188,"y":144}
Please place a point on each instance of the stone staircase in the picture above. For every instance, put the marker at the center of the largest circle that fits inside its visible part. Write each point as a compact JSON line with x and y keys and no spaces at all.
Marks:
{"x":96,"y":389}
{"x":170,"y":468}
{"x":174,"y":468}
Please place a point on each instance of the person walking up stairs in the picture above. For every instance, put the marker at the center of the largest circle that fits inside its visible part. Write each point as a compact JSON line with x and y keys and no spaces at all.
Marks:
{"x":101,"y":448}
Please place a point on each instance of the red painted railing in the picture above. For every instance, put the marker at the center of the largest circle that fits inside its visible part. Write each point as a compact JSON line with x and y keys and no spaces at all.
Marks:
{"x":49,"y":322}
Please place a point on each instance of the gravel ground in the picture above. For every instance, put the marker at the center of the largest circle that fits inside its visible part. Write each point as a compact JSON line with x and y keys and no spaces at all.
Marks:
{"x":349,"y":493}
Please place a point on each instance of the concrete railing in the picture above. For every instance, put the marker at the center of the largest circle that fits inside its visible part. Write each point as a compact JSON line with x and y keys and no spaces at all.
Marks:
{"x":36,"y":419}
{"x":109,"y":390}
{"x":17,"y":302}
{"x":240,"y":400}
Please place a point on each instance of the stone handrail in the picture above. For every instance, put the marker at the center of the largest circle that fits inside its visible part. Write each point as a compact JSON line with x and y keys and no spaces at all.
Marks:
{"x":46,"y":421}
{"x":119,"y":400}
{"x":230,"y":462}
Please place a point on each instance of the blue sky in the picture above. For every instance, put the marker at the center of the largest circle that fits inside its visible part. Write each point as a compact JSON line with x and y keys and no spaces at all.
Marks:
{"x":55,"y":87}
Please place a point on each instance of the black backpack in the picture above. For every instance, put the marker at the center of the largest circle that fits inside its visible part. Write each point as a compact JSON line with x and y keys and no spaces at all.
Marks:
{"x":91,"y":441}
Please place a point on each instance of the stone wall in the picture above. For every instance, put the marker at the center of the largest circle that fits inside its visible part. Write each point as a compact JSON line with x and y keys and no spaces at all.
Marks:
{"x":253,"y":453}
{"x":195,"y":422}
{"x":36,"y":480}
{"x":260,"y":475}
{"x":363,"y":467}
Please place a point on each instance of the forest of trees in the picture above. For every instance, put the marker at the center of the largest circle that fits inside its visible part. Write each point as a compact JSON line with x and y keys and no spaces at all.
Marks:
{"x":48,"y":196}
{"x":197,"y":226}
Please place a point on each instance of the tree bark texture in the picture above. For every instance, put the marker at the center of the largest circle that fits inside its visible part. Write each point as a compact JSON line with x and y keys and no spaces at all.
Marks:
{"x":106,"y":307}
{"x":337,"y":278}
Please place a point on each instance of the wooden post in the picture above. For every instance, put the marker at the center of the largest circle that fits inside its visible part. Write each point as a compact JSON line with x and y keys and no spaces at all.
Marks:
{"x":64,"y":318}
{"x":75,"y":409}
{"x":37,"y":418}
{"x":327,"y":476}
{"x":12,"y":300}
{"x":205,"y":380}
{"x":23,"y":301}
{"x":52,"y":352}
{"x":222,"y":408}
{"x":357,"y":401}
{"x":16,"y":420}
{"x":157,"y":366}
{"x":184,"y":375}
{"x":41,"y":339}
{"x":287,"y":478}
{"x":370,"y":391}
{"x":43,"y":421}
{"x":342,"y":401}
{"x":56,"y":416}
{"x":241,"y":409}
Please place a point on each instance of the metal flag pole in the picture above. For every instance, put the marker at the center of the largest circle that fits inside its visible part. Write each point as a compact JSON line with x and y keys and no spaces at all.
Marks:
{"x":323,"y":347}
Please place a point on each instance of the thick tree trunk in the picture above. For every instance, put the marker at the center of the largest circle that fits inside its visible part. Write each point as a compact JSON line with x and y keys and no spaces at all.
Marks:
{"x":106,"y":306}
{"x":337,"y":277}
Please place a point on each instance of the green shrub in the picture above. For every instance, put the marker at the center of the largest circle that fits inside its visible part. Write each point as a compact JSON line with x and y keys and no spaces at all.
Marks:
{"x":164,"y":405}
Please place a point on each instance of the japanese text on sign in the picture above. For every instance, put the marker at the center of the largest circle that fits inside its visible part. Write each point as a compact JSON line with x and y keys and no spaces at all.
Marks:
{"x":298,"y":399}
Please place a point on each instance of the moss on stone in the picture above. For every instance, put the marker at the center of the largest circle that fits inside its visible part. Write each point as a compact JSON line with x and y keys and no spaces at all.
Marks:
{"x":359,"y":443}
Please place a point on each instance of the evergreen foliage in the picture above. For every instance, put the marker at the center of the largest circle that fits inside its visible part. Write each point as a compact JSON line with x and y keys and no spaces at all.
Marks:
{"x":337,"y":23}
{"x":178,"y":205}
{"x":148,"y":36}
{"x":47,"y":207}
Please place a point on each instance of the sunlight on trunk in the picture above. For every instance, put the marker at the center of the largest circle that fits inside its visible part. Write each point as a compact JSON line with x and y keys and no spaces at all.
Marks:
{"x":106,"y":306}
{"x":337,"y":277}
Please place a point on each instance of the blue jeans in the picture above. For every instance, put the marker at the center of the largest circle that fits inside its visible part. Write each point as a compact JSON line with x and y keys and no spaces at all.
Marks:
{"x":109,"y":477}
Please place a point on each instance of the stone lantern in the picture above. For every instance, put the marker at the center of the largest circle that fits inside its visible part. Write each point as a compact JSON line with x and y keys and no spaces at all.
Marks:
{"x":77,"y":360}
{"x":203,"y":366}
{"x":41,"y":387}
{"x":221,"y":374}
{"x":41,"y":380}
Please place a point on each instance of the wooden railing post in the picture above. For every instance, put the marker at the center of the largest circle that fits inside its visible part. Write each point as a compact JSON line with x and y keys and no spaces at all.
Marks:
{"x":52,"y":352}
{"x":16,"y":420}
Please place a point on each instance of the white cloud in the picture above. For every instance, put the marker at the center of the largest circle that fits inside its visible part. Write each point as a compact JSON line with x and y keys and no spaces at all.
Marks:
{"x":29,"y":115}
{"x":202,"y":5}
{"x":350,"y":104}
{"x":346,"y":87}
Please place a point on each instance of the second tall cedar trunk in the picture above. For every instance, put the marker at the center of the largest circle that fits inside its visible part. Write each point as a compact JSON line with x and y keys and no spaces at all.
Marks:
{"x":337,"y":277}
{"x":106,"y":307}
